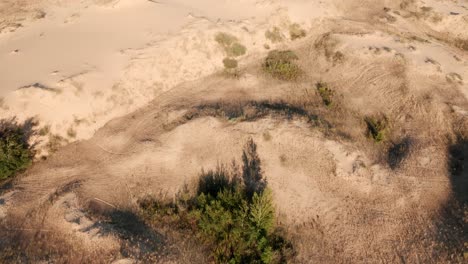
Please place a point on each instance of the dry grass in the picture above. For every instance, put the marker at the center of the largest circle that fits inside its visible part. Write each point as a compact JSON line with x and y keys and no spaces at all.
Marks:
{"x":416,"y":230}
{"x":230,"y":63}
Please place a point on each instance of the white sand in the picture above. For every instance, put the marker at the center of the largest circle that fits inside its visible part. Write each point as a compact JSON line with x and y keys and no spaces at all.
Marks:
{"x":83,"y":64}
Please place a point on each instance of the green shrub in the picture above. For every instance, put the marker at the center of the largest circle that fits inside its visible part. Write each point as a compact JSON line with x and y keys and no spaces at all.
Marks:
{"x":230,"y":44}
{"x":232,"y":213}
{"x":236,"y":50}
{"x":325,"y":92}
{"x":377,"y":127}
{"x":281,"y":66}
{"x":15,"y":152}
{"x":239,"y":230}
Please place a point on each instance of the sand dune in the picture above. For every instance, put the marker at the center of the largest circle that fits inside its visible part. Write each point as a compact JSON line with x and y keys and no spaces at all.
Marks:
{"x":124,"y":88}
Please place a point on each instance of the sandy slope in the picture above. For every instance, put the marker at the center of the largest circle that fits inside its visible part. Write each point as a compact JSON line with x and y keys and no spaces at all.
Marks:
{"x":151,"y":62}
{"x":83,"y":64}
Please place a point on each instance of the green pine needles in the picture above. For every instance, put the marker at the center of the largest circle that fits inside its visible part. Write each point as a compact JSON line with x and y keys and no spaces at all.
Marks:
{"x":234,"y":213}
{"x":15,"y":152}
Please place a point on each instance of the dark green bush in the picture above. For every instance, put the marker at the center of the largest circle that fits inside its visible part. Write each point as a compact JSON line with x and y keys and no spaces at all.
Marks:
{"x":280,"y":64}
{"x":15,"y":152}
{"x":232,"y":213}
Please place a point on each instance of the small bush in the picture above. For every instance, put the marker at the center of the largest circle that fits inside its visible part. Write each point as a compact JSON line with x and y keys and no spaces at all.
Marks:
{"x":71,"y":132}
{"x":230,"y":63}
{"x":274,"y":35}
{"x":236,"y":50}
{"x":376,"y":127}
{"x":44,"y":130}
{"x":281,"y":66}
{"x":296,"y":32}
{"x":325,"y":92}
{"x":230,"y":44}
{"x":232,"y":213}
{"x":16,"y":154}
{"x":225,"y":39}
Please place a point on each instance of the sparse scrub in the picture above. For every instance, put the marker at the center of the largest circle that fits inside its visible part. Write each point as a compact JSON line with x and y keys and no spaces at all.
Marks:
{"x":236,"y":50}
{"x":71,"y":132}
{"x":274,"y":35}
{"x":230,"y":63}
{"x":45,"y":130}
{"x":54,"y":143}
{"x":16,"y":154}
{"x":230,"y":44}
{"x":225,"y":39}
{"x":327,"y":43}
{"x":377,"y":127}
{"x":232,"y":213}
{"x":296,"y":32}
{"x":325,"y":93}
{"x":280,"y":65}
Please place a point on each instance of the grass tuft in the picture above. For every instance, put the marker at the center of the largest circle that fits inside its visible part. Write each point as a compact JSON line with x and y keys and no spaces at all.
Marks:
{"x":236,"y":50}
